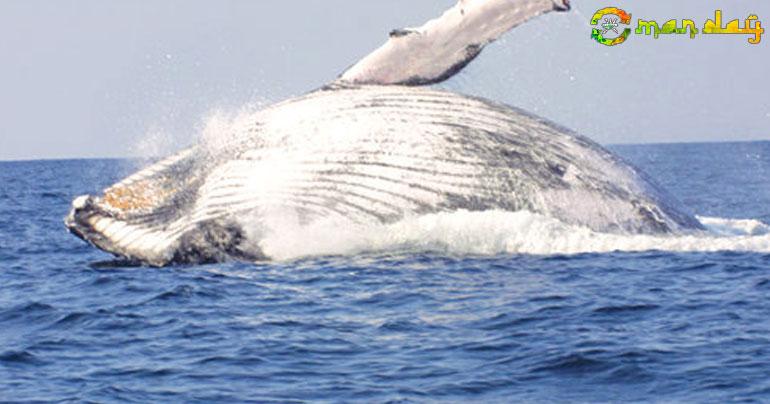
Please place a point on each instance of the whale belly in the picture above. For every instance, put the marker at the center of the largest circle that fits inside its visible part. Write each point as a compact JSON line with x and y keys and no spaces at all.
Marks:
{"x":370,"y":154}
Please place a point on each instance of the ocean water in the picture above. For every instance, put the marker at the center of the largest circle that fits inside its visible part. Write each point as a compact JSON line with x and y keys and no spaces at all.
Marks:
{"x":484,"y":307}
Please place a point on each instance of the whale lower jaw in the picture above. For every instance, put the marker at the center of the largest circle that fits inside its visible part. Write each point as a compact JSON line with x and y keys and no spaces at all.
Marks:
{"x":366,"y":155}
{"x":205,"y":242}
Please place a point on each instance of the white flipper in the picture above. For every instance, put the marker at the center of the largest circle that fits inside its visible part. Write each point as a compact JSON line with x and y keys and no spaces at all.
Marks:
{"x":442,"y":47}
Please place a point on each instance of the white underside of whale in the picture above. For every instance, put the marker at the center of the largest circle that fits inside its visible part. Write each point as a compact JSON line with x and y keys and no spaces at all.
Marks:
{"x":374,"y":150}
{"x":370,"y":155}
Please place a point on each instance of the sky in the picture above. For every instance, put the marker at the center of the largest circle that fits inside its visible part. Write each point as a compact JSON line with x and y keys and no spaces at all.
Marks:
{"x":118,"y":78}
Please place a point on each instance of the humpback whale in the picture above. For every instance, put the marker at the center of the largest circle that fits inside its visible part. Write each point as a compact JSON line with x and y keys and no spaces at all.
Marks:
{"x":376,"y":146}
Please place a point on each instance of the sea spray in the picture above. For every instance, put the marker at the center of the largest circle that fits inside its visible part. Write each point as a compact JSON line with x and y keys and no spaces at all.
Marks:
{"x":284,"y":236}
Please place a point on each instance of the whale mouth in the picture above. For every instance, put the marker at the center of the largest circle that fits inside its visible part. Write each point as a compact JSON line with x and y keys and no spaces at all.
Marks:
{"x":147,"y":218}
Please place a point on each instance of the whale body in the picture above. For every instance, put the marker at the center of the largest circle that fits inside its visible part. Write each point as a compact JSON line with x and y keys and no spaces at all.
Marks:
{"x":367,"y":154}
{"x":374,"y":147}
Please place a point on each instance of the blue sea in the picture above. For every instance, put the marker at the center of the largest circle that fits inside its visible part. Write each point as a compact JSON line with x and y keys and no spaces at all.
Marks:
{"x":674,"y":321}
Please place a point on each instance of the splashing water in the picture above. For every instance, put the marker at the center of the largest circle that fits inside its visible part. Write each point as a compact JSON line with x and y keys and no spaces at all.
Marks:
{"x":490,"y":233}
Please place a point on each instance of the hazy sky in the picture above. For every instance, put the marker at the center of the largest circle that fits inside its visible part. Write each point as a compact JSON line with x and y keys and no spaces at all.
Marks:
{"x":90,"y":78}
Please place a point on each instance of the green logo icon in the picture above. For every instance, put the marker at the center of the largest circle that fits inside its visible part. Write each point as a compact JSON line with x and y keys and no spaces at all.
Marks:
{"x":607,"y":21}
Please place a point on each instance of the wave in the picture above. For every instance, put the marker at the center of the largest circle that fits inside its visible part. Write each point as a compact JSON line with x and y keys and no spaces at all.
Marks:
{"x":491,"y":233}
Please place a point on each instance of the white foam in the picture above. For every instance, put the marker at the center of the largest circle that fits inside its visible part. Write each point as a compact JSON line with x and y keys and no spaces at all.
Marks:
{"x":491,"y":233}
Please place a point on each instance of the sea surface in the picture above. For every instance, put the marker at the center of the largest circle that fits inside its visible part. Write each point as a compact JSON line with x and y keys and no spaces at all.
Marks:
{"x":668,"y":320}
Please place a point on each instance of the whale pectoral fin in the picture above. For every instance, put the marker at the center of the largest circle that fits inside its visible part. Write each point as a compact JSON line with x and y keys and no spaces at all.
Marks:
{"x":442,"y":47}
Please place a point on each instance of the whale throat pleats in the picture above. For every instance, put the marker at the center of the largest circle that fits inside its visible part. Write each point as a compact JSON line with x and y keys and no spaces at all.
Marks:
{"x":365,"y":156}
